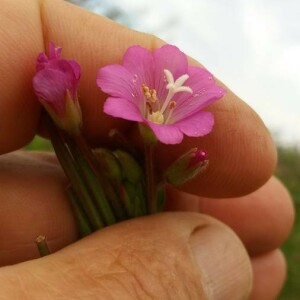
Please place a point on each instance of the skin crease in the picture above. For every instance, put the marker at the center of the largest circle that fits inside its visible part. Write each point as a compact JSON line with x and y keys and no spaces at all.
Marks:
{"x":242,"y":157}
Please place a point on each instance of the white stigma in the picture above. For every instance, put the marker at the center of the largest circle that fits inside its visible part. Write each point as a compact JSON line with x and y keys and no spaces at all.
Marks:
{"x":174,"y":87}
{"x":177,"y":86}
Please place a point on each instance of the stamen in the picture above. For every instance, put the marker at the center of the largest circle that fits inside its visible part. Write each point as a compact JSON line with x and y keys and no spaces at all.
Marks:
{"x":153,"y":95}
{"x":146,"y":91}
{"x":171,"y":107}
{"x":149,"y":108}
{"x":152,"y":105}
{"x":172,"y":104}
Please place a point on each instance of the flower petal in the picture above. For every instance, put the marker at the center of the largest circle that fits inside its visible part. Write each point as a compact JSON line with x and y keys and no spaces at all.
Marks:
{"x":76,"y":68}
{"x":139,"y":61}
{"x":205,"y":92}
{"x":116,"y":81}
{"x":171,"y":58}
{"x":199,"y":124}
{"x":71,"y":71}
{"x":167,"y":134}
{"x":41,"y":61}
{"x":122,"y":108}
{"x":51,"y":86}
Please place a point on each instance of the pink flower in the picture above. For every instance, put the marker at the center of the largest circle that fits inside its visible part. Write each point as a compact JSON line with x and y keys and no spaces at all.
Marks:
{"x":55,"y":83}
{"x":161,"y":90}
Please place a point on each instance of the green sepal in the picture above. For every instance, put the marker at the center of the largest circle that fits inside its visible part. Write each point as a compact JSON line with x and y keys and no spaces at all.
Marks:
{"x":131,"y":169}
{"x":147,"y":134}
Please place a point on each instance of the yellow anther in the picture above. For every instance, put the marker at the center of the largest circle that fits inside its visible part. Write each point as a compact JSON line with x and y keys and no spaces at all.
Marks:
{"x":153,"y":95}
{"x":146,"y":91}
{"x":172,"y":104}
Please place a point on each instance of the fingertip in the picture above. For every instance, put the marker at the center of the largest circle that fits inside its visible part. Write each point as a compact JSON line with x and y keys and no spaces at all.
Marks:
{"x":269,"y":275}
{"x":93,"y":41}
{"x":19,"y":111}
{"x":263,"y":219}
{"x":242,"y":154}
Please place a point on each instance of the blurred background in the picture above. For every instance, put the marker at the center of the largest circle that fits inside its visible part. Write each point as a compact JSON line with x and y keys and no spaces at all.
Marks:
{"x":254,"y":48}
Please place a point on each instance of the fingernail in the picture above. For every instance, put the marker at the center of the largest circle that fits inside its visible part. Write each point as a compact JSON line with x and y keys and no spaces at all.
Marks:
{"x":223,"y":262}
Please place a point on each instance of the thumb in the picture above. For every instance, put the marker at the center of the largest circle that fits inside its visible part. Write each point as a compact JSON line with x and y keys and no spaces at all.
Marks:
{"x":164,"y":256}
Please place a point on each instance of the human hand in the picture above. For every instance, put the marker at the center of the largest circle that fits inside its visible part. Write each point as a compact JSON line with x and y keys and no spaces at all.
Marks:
{"x":147,"y":257}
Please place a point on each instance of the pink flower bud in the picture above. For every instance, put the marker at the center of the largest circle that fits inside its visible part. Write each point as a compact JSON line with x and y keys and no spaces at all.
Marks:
{"x":187,"y":167}
{"x":55,"y":83}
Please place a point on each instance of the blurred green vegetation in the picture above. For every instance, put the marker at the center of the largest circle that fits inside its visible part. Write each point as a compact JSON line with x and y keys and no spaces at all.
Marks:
{"x":39,"y":144}
{"x":288,"y":171}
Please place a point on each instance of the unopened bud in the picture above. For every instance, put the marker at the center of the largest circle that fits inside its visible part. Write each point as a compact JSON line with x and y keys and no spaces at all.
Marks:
{"x":132,"y":171}
{"x":55,"y":84}
{"x":186,"y":167}
{"x":109,"y":163}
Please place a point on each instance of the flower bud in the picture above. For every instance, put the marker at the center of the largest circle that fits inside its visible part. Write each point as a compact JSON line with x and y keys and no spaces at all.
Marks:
{"x":186,"y":167}
{"x":109,"y":163}
{"x":55,"y":84}
{"x":132,"y":171}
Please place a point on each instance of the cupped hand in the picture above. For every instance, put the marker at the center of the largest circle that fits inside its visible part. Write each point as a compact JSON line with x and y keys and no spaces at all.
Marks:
{"x":174,"y":255}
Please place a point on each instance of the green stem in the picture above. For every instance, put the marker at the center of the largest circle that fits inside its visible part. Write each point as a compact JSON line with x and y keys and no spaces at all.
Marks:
{"x":82,"y":220}
{"x":88,"y":165}
{"x":150,"y":182}
{"x":42,"y":245}
{"x":73,"y":174}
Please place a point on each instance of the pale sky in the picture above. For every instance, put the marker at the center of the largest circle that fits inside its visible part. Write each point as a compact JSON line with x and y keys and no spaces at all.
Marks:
{"x":252,"y":46}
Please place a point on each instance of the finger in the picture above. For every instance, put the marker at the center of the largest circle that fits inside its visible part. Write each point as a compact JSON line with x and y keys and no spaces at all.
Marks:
{"x":241,"y":150}
{"x":32,"y":203}
{"x":163,"y":256}
{"x":269,"y":272}
{"x":262,"y":220}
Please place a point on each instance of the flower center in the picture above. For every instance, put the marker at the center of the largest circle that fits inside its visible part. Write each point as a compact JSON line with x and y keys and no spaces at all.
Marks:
{"x":160,"y":111}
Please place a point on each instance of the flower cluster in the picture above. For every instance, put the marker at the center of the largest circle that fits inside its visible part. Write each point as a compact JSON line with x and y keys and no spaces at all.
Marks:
{"x":161,"y":92}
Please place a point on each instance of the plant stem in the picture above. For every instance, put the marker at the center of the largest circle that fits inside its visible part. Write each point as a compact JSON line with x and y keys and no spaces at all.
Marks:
{"x":89,"y":167}
{"x":82,"y":220}
{"x":68,"y":164}
{"x":150,"y":182}
{"x":42,"y":245}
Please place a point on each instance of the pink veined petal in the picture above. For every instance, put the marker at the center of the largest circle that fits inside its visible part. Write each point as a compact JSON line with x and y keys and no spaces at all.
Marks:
{"x":171,"y":58}
{"x":116,"y":81}
{"x":122,"y":108}
{"x":167,"y":134}
{"x":76,"y":68}
{"x":203,"y":85}
{"x":139,"y":61}
{"x":199,"y":124}
{"x":194,"y":104}
{"x":68,"y":71}
{"x":50,"y":86}
{"x":205,"y":92}
{"x":41,"y":61}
